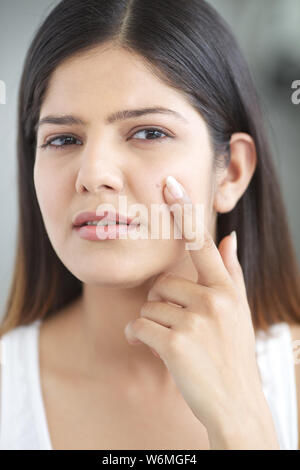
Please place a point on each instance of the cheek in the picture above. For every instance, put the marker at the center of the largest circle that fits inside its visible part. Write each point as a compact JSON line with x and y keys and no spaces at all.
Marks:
{"x":193,"y":172}
{"x":47,"y":192}
{"x":192,"y":169}
{"x":195,"y":177}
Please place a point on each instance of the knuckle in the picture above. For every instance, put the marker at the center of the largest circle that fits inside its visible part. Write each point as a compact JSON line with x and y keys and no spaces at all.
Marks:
{"x":233,"y":296}
{"x":146,"y":308}
{"x":193,"y":321}
{"x":175,"y":342}
{"x":216,"y":302}
{"x":138,"y":325}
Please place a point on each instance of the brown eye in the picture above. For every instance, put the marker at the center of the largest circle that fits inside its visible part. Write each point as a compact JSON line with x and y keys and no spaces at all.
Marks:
{"x":67,"y":139}
{"x":153,"y":132}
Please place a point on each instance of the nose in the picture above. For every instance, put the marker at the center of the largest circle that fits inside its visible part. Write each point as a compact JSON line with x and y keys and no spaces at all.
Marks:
{"x":96,"y":184}
{"x":96,"y":175}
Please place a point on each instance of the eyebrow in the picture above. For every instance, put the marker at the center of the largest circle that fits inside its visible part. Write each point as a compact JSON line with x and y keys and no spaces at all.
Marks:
{"x":117,"y":116}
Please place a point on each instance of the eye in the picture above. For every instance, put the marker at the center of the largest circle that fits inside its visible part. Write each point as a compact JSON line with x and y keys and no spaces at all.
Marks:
{"x":152,"y":132}
{"x":65,"y":138}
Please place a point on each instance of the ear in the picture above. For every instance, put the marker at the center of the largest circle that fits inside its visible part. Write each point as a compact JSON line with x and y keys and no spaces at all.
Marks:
{"x":233,"y":181}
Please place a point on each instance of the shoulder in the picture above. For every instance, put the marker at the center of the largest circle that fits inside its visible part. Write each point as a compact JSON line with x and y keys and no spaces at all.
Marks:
{"x":295,"y":334}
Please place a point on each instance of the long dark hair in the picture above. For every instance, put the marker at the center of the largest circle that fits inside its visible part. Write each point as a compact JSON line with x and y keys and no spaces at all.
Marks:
{"x":188,"y":45}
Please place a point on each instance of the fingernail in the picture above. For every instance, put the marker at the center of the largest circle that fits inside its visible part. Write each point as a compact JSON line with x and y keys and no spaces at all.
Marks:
{"x":174,"y":187}
{"x":127,"y":329}
{"x":233,"y":235}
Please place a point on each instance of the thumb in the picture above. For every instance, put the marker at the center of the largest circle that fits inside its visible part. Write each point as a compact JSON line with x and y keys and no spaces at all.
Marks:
{"x":228,"y":250}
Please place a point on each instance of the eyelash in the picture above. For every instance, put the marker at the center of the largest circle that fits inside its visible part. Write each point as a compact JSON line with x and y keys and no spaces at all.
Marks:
{"x":65,"y":136}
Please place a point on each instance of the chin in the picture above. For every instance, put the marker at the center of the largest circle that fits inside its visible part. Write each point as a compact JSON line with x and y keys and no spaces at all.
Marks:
{"x":111,"y":276}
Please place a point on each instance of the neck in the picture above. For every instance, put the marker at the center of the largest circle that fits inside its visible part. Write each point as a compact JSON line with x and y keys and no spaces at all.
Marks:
{"x":97,"y":321}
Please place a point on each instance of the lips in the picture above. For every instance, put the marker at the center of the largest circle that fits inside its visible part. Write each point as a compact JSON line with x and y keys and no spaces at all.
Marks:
{"x":84,"y":217}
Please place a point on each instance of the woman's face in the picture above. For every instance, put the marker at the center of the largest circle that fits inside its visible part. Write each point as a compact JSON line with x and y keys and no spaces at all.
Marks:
{"x":106,"y":160}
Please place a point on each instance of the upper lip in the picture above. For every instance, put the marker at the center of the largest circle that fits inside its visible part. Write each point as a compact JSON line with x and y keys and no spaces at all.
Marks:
{"x":84,"y":217}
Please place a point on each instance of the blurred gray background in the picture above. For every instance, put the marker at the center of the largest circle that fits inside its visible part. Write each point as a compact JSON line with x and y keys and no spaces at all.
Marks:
{"x":268,"y":32}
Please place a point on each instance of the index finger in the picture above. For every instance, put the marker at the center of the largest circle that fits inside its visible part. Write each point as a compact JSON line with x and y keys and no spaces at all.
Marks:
{"x":202,"y":248}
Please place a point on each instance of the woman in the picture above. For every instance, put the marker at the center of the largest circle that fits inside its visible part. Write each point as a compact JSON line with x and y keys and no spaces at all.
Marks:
{"x":85,"y":314}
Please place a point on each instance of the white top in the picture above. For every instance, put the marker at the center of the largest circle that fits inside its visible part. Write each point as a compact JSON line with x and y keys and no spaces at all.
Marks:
{"x":23,"y":422}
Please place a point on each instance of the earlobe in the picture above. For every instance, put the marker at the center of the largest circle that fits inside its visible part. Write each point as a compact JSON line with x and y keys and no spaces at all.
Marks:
{"x":223,"y":201}
{"x":237,"y":176}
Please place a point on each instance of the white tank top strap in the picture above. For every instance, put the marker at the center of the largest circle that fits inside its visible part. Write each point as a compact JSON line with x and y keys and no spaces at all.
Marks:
{"x":23,"y":423}
{"x":275,"y":359}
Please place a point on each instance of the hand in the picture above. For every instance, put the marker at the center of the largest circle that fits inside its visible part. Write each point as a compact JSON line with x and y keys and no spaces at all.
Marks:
{"x":207,"y":339}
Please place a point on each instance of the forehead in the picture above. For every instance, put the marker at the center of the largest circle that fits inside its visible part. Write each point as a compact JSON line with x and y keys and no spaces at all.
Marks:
{"x":108,"y":77}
